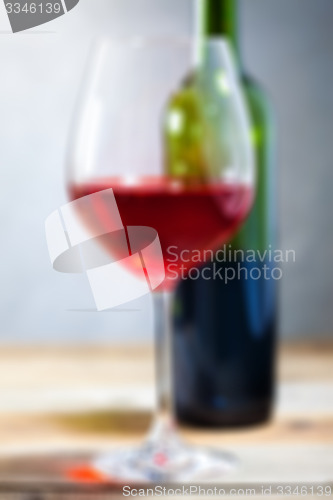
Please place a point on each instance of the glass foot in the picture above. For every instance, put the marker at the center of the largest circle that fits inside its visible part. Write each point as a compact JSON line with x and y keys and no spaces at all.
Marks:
{"x":172,"y":461}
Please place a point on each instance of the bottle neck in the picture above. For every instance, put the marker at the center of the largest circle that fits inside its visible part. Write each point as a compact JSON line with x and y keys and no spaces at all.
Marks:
{"x":219,"y":18}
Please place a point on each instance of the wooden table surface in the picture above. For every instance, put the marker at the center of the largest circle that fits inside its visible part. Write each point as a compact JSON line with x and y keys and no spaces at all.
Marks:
{"x":61,"y":405}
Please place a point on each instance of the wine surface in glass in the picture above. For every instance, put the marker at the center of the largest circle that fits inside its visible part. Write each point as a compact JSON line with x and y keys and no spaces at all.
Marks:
{"x":189,"y":219}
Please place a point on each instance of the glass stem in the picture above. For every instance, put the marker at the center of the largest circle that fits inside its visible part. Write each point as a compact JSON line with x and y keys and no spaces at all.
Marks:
{"x":164,"y":422}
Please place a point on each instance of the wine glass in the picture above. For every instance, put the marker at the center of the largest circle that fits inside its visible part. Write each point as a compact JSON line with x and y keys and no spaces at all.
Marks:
{"x":136,"y":111}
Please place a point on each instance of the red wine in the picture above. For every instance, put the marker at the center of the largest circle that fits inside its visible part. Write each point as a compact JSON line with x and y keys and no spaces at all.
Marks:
{"x":190,"y":218}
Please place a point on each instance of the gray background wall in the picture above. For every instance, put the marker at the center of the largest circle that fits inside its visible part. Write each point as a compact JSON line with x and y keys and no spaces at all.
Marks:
{"x":288,"y":46}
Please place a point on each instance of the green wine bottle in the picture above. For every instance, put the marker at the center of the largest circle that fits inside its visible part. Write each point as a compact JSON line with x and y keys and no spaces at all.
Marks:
{"x":224,"y":343}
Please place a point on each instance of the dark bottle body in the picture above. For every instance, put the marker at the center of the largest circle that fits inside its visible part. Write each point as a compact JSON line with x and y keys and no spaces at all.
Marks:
{"x":224,"y":349}
{"x":225,"y":334}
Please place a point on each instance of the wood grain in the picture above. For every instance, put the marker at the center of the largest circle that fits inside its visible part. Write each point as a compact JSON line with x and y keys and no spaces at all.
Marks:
{"x":48,"y":409}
